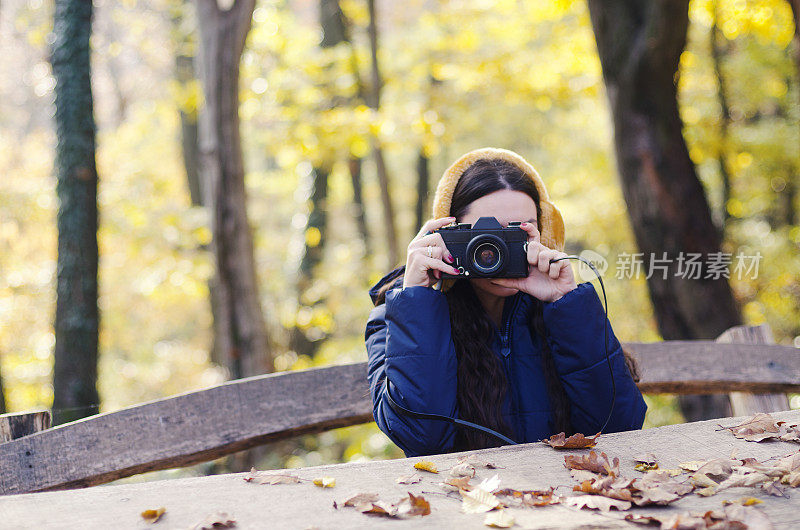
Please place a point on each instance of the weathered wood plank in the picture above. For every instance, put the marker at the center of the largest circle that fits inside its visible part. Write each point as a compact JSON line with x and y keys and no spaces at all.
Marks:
{"x":708,"y":367}
{"x":16,"y":425}
{"x":743,"y":403}
{"x":185,"y":429}
{"x":303,"y":505}
{"x":200,"y":426}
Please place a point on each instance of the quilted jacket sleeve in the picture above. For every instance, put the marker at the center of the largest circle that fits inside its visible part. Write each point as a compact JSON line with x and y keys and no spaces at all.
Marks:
{"x":408,"y":342}
{"x":574,"y":326}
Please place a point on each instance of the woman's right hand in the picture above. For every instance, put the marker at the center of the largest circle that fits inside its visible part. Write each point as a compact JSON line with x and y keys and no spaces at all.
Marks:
{"x":427,"y":256}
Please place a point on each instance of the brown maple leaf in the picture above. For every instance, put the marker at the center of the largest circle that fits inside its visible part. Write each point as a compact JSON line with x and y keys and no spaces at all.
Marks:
{"x":576,"y":441}
{"x":760,"y":427}
{"x":361,"y":498}
{"x":596,"y":502}
{"x":593,"y":462}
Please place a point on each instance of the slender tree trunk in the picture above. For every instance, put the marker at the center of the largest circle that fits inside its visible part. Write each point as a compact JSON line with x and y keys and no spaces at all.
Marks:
{"x":355,"y":163}
{"x":2,"y":397}
{"x":789,"y":195}
{"x":639,"y":45}
{"x":423,"y":180}
{"x":190,"y":149}
{"x":374,"y":101}
{"x":242,"y":334}
{"x":358,"y":203}
{"x":306,"y":342}
{"x":718,"y":51}
{"x":77,"y":316}
{"x":186,"y":76}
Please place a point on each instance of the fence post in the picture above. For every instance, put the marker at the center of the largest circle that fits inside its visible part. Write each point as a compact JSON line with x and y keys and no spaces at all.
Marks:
{"x":16,"y":425}
{"x":744,"y":403}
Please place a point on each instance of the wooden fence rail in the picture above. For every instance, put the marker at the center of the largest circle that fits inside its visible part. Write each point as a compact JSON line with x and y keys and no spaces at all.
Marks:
{"x":203,"y":425}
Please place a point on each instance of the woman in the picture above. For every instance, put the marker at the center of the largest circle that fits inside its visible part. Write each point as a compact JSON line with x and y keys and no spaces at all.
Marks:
{"x":524,"y":357}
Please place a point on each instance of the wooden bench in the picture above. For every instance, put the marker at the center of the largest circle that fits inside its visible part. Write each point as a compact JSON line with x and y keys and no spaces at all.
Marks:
{"x":199,"y":426}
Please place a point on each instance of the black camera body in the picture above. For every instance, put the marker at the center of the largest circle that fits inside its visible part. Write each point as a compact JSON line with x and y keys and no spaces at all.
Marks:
{"x":487,"y":249}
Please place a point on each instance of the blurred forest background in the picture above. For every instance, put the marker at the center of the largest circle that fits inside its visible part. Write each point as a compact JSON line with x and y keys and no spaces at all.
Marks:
{"x":339,"y":175}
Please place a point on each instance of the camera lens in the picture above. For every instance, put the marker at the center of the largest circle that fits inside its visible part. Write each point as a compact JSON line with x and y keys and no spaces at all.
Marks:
{"x":486,"y":257}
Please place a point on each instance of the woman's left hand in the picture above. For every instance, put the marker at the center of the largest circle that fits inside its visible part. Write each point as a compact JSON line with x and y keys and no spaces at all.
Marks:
{"x":546,"y":281}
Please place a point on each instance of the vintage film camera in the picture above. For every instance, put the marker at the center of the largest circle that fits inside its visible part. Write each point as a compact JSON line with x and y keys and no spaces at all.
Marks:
{"x":486,"y":249}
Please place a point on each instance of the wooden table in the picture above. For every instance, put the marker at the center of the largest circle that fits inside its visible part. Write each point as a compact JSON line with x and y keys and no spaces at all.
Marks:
{"x":303,"y":505}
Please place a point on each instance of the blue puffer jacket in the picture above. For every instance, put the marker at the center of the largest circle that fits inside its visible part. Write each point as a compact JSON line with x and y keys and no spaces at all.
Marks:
{"x":408,"y":340}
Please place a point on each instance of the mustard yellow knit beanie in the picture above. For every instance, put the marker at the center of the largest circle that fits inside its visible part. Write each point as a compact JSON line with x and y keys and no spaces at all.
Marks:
{"x":551,"y":228}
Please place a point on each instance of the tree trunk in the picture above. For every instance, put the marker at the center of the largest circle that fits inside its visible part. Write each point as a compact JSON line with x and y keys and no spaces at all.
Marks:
{"x":358,"y":203}
{"x":303,"y":343}
{"x":190,"y":149}
{"x":186,"y":75}
{"x":355,"y":162}
{"x":789,"y":194}
{"x":331,"y":21}
{"x":639,"y":44}
{"x":242,"y":335}
{"x":77,"y":316}
{"x":718,"y":51}
{"x":374,"y":101}
{"x":2,"y":397}
{"x":423,"y":180}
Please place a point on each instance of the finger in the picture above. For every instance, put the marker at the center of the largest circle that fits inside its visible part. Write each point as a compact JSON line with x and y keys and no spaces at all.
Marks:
{"x":435,"y":240}
{"x":437,"y":264}
{"x":532,"y":230}
{"x":434,"y":224}
{"x":555,"y":269}
{"x":435,"y":252}
{"x":545,"y":256}
{"x":534,"y":247}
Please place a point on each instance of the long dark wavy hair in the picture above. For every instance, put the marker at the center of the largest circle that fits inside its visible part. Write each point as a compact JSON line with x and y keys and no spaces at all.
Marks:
{"x":482,"y":384}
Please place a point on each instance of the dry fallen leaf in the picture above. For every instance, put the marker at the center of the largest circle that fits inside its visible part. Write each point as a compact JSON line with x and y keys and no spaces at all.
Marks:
{"x":744,"y":501}
{"x":408,"y":479}
{"x":576,"y":441}
{"x":414,"y":505}
{"x":456,"y":484}
{"x":646,"y":458}
{"x":596,"y":502}
{"x":464,"y":469}
{"x":490,"y":484}
{"x":478,"y":500}
{"x":691,"y":465}
{"x":213,"y":521}
{"x":270,"y":477}
{"x":645,"y":462}
{"x":499,"y":519}
{"x":597,"y":463}
{"x":325,"y":482}
{"x":757,"y":424}
{"x":528,"y":498}
{"x":151,"y":516}
{"x":475,"y":461}
{"x":425,"y":465}
{"x":361,"y":498}
{"x":378,"y":508}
